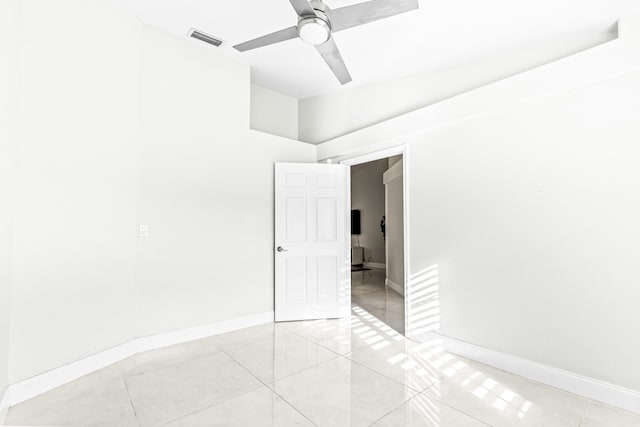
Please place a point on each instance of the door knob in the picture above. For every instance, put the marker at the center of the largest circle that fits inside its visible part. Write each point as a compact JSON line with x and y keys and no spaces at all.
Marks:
{"x":281,"y":249}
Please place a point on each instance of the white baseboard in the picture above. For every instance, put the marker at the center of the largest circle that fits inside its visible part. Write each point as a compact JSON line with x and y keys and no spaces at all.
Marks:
{"x":399,"y":289}
{"x":375,"y":265}
{"x":4,"y":408}
{"x":176,"y":337}
{"x":602,"y":391}
{"x":29,"y":388}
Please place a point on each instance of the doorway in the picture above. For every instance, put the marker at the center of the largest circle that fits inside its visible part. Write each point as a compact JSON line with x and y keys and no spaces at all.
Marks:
{"x":313,"y":240}
{"x":377,"y":238}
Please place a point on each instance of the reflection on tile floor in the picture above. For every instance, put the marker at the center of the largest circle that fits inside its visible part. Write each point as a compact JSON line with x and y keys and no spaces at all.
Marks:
{"x":369,"y":292}
{"x":346,"y":372}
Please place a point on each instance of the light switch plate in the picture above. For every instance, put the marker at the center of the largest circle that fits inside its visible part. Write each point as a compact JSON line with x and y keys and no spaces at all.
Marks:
{"x":144,"y":230}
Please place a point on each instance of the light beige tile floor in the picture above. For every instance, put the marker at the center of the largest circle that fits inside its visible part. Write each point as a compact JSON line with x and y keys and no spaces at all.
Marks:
{"x":346,"y":372}
{"x":369,"y":292}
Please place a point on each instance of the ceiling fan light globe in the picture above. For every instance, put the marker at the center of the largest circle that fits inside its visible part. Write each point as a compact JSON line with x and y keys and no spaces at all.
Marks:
{"x":314,"y":31}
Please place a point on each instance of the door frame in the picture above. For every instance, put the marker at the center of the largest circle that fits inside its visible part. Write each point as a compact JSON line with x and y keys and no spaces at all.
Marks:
{"x":377,"y":155}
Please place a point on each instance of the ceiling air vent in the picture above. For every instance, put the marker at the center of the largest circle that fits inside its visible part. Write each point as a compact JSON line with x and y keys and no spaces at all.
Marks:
{"x":204,"y":37}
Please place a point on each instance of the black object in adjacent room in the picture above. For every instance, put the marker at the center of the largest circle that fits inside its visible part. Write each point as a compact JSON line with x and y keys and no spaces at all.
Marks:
{"x":355,"y":221}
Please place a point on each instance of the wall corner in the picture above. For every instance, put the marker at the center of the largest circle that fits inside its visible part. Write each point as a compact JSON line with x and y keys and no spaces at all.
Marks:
{"x":629,"y":30}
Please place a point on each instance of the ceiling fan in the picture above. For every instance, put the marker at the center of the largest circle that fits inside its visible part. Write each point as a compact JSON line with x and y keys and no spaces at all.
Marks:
{"x":317,"y":22}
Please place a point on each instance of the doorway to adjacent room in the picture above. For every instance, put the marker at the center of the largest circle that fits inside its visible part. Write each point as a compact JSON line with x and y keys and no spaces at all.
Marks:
{"x":377,"y":239}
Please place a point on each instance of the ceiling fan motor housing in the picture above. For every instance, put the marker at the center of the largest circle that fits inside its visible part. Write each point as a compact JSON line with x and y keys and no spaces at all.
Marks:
{"x":314,"y":30}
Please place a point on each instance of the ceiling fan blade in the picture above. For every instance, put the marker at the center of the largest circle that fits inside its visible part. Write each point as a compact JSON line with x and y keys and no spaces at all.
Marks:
{"x":362,"y":13}
{"x":302,"y":7}
{"x":331,"y":54}
{"x":275,"y":37}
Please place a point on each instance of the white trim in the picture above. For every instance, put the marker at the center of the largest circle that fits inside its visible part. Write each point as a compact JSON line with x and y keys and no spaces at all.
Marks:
{"x":376,"y":265}
{"x":407,"y":238}
{"x":575,"y":383}
{"x":375,"y":155}
{"x":347,"y":237}
{"x":394,"y":286}
{"x":392,"y":173}
{"x":34,"y":386}
{"x":46,"y":381}
{"x":184,"y":335}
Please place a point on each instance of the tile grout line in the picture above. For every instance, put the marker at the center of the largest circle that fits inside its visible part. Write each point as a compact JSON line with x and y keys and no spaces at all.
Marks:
{"x":305,"y":369}
{"x":285,"y":332}
{"x":257,"y":341}
{"x":527,"y":380}
{"x":586,"y":412}
{"x":219,"y":350}
{"x":315,"y":342}
{"x":343,"y":356}
{"x":352,"y":349}
{"x":272,"y":390}
{"x":430,"y":398}
{"x":449,"y":405}
{"x":124,"y":376}
{"x":393,"y":379}
{"x":163,"y":366}
{"x":209,"y":406}
{"x":338,"y":355}
{"x":394,"y":409}
{"x":126,"y":387}
{"x":318,"y":344}
{"x":6,"y":416}
{"x":293,"y":407}
{"x":445,"y":403}
{"x":263,"y":384}
{"x":418,"y":392}
{"x":224,"y":400}
{"x":289,"y":332}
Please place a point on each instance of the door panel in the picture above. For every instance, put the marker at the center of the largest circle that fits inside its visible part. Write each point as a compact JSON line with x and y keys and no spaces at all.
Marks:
{"x":296,"y":226}
{"x":327,"y":219}
{"x":327,"y":274}
{"x":295,"y":273}
{"x":312,"y":270}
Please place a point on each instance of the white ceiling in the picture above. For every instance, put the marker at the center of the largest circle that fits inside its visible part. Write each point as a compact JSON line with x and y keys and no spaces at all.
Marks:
{"x":441,"y":34}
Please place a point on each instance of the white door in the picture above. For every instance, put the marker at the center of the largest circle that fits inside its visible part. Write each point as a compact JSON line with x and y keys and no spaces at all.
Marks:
{"x":312,"y":268}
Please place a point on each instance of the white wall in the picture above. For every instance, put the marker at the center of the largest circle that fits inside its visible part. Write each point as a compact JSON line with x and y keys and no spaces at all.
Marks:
{"x":8,"y":136}
{"x":119,"y":128}
{"x":394,"y":213}
{"x":531,"y":216}
{"x":525,"y":221}
{"x":75,"y":215}
{"x":273,"y":112}
{"x":206,"y":190}
{"x":367,"y":195}
{"x":322,"y":118}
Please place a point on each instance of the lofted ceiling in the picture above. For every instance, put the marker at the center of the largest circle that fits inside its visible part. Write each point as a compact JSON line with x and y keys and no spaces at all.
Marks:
{"x":441,"y":34}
